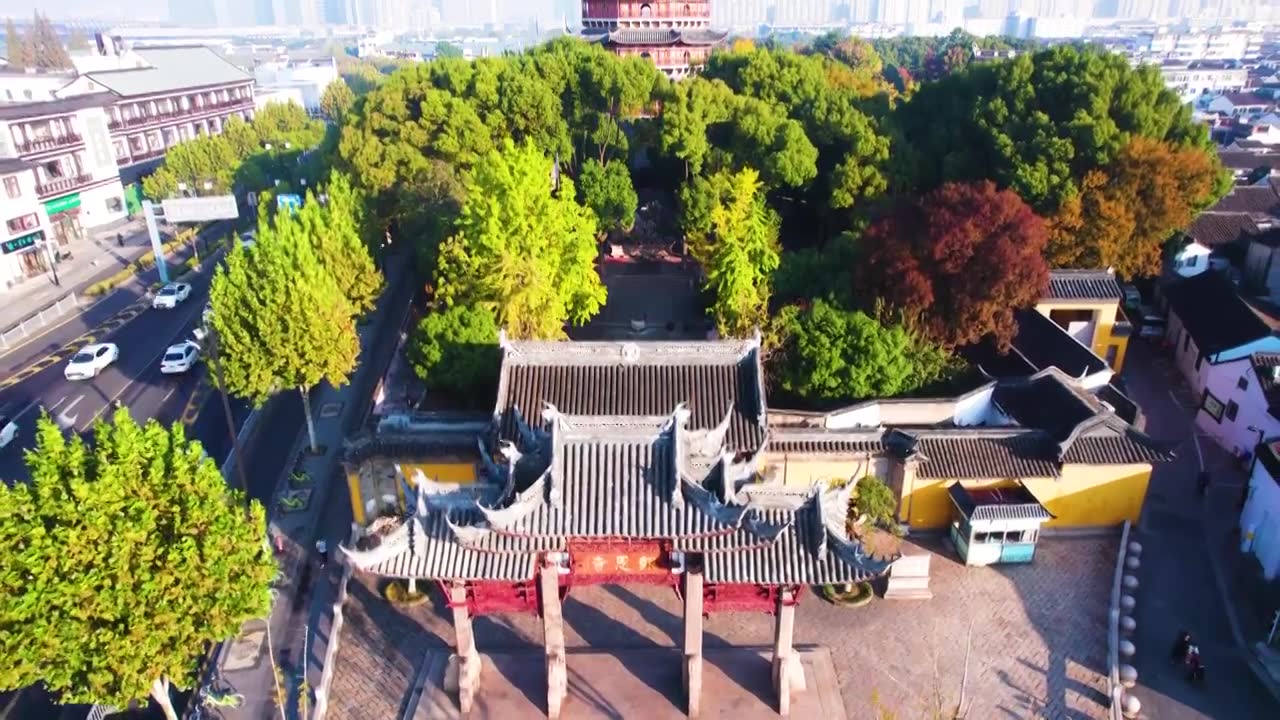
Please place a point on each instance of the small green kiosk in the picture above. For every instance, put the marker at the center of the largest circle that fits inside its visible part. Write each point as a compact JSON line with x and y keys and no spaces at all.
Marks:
{"x":995,"y":525}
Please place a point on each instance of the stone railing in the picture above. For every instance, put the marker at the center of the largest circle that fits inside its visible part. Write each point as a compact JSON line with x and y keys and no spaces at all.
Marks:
{"x":1121,"y":676}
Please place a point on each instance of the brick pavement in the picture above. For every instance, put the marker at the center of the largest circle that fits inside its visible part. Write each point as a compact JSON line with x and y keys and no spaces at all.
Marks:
{"x":1038,"y":640}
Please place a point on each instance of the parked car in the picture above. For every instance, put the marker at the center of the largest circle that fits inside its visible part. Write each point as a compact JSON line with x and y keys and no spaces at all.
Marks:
{"x":91,"y":360}
{"x":180,"y":358}
{"x":8,"y":431}
{"x":1153,"y":327}
{"x":171,"y":295}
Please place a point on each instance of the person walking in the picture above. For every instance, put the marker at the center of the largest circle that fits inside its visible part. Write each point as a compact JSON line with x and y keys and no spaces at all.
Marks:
{"x":1181,"y":645}
{"x":323,"y":548}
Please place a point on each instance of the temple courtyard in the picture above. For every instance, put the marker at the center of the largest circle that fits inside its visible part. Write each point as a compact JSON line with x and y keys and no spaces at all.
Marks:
{"x":1036,"y":635}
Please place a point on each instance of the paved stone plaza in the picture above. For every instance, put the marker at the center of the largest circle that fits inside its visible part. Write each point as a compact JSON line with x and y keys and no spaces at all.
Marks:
{"x":1038,"y":641}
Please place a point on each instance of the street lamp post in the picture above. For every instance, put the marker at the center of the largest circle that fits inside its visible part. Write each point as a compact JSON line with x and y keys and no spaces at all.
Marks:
{"x":53,"y":261}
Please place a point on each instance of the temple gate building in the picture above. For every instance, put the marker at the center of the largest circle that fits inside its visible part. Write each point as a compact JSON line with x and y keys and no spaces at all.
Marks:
{"x":660,"y":463}
{"x":675,"y":35}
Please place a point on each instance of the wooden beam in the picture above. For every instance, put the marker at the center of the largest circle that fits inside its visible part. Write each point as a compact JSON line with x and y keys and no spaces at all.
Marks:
{"x":553,"y":639}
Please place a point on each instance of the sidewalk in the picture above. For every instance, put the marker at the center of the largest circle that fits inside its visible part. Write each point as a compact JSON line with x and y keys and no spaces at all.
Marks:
{"x":95,"y":257}
{"x":1190,"y":572}
{"x":302,"y":612}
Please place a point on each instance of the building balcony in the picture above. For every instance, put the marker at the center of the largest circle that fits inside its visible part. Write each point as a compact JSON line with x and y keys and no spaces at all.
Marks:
{"x":62,"y":185}
{"x":193,"y":112}
{"x":42,"y":144}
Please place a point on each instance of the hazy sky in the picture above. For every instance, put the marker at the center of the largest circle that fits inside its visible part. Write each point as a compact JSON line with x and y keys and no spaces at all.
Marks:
{"x":57,"y":9}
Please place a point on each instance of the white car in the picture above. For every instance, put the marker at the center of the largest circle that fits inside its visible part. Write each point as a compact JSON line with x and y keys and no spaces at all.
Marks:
{"x":91,"y":360}
{"x":8,"y":431}
{"x":180,"y":358}
{"x":171,"y":295}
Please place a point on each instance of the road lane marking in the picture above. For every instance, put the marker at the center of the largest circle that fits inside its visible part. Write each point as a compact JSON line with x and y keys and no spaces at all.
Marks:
{"x":148,"y":366}
{"x":54,"y":357}
{"x":65,"y":419}
{"x":195,"y":403}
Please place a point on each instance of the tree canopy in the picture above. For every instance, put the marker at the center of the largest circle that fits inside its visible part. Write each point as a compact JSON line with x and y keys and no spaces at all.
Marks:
{"x":337,"y":100}
{"x":122,"y":560}
{"x":832,"y":354}
{"x":522,"y":249}
{"x":44,"y":46}
{"x":456,"y":352}
{"x":281,"y":319}
{"x":734,"y":236}
{"x":956,"y":263}
{"x":1038,"y":123}
{"x":334,"y":232}
{"x":609,"y":192}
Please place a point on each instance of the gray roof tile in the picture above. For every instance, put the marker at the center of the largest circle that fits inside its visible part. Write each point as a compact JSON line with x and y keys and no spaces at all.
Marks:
{"x":1083,"y":285}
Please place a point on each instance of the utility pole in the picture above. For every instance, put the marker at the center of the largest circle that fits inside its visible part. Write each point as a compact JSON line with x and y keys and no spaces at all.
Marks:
{"x":149,"y":212}
{"x":212,"y":337}
{"x":53,"y":261}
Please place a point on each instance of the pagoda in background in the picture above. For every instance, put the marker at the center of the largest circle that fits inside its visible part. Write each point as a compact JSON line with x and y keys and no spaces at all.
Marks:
{"x":676,"y":35}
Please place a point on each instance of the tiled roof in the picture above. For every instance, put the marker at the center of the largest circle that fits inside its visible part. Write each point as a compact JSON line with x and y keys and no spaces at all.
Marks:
{"x":1247,"y":160}
{"x":791,"y":559}
{"x":716,"y":380}
{"x":662,"y":36}
{"x":1251,"y":199}
{"x":1012,"y":503}
{"x":973,"y":454}
{"x":824,"y":442}
{"x":1083,"y":285}
{"x":1047,"y":402}
{"x":48,"y":108}
{"x":1115,"y":449}
{"x":1044,"y":344}
{"x":171,"y":69}
{"x":435,"y":554}
{"x":1212,"y":311}
{"x":1221,"y":228}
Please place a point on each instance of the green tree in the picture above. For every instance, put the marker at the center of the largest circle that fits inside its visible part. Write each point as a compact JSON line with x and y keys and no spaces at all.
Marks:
{"x":209,"y":159}
{"x":455,"y":351}
{"x":334,"y":232}
{"x":832,"y":354}
{"x":874,"y":499}
{"x":283,"y":124}
{"x":20,"y":53}
{"x":448,"y":50}
{"x":608,"y":191}
{"x":337,"y":100}
{"x":734,"y":236}
{"x":122,"y":561}
{"x":1038,"y":123}
{"x":281,"y":318}
{"x":522,"y":249}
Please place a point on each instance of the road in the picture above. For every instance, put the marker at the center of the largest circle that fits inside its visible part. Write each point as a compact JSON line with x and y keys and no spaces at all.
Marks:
{"x":31,"y":379}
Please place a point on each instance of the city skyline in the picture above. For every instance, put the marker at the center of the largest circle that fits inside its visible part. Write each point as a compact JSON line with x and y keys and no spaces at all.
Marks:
{"x":730,"y":13}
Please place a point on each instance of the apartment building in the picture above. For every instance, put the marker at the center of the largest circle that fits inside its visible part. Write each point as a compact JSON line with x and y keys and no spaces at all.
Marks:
{"x":65,"y":162}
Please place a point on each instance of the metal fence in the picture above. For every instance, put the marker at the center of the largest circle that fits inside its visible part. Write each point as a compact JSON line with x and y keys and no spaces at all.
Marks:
{"x":17,"y":334}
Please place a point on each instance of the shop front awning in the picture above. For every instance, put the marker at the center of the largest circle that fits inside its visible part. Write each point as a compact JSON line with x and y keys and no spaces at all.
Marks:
{"x":1006,"y":503}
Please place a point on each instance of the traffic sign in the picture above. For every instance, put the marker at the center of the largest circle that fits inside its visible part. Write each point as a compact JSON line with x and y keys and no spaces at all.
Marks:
{"x":199,"y":209}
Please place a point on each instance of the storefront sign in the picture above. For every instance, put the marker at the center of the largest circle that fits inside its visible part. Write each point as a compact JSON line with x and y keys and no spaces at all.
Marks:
{"x":22,"y":243}
{"x":62,"y":204}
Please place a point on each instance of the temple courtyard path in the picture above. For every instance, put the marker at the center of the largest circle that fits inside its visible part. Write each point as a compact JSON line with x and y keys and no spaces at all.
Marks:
{"x":1037,"y":634}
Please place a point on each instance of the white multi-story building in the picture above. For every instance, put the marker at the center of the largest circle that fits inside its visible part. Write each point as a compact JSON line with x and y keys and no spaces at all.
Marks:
{"x":308,"y":78}
{"x":1194,"y":80}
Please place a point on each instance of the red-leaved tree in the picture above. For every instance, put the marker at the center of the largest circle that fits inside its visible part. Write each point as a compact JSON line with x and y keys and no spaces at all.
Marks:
{"x":956,"y":263}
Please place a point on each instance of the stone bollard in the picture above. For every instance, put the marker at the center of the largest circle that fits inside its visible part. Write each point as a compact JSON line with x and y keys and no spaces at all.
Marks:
{"x":1129,"y":583}
{"x":1135,"y":548}
{"x":1132,"y":562}
{"x":1127,"y":604}
{"x":1131,"y":707}
{"x":1128,"y":676}
{"x":1127,"y":649}
{"x":1128,"y":625}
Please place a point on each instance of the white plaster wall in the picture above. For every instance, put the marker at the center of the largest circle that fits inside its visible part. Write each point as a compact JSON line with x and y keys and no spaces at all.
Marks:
{"x":1261,"y":517}
{"x":93,"y":205}
{"x":1234,"y":435}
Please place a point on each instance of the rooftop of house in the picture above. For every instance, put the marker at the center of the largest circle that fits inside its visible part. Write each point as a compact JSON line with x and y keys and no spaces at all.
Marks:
{"x":171,"y":69}
{"x":1244,"y":160}
{"x":1254,"y":199}
{"x":1246,"y":99}
{"x":1214,"y":228}
{"x":1038,"y":344}
{"x":1083,"y":285}
{"x":1010,"y":503}
{"x":1211,"y":310}
{"x":51,"y":108}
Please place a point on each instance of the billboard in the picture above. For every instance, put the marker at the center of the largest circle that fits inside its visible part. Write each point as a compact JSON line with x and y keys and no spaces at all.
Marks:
{"x":199,"y":209}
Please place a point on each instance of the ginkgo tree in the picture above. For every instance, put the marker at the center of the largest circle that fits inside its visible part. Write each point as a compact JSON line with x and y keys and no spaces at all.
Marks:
{"x":524,"y":248}
{"x":122,"y":559}
{"x":333,"y":230}
{"x":280,"y":318}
